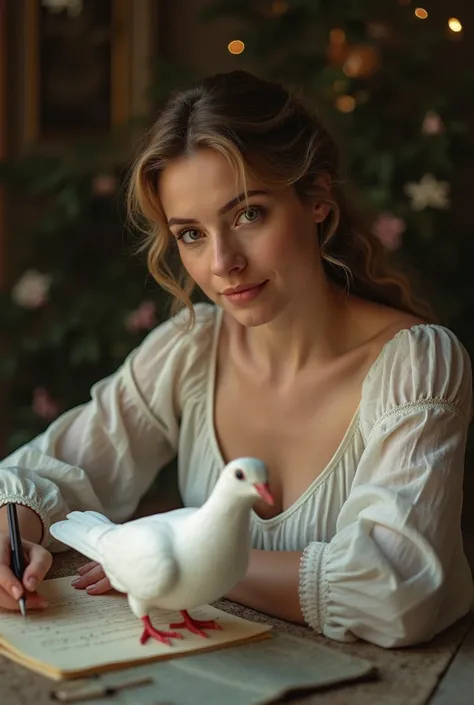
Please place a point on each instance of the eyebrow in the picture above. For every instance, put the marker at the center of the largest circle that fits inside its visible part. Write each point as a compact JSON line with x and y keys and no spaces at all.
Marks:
{"x":223,"y":210}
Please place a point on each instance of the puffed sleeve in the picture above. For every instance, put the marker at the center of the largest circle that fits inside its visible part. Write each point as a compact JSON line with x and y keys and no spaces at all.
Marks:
{"x":105,"y":454}
{"x":397,"y":552}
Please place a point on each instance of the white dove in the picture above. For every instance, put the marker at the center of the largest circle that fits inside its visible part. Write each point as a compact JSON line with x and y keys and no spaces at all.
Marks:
{"x":180,"y":559}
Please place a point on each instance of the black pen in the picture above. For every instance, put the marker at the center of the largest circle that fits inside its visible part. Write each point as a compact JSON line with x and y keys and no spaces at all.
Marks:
{"x":18,"y":559}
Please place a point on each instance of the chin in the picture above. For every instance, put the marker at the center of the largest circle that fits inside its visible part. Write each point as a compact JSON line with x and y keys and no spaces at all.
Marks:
{"x":252,"y":316}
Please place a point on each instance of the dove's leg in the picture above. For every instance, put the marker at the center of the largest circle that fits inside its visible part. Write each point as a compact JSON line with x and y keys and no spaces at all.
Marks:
{"x":195,"y":626}
{"x":150,"y":631}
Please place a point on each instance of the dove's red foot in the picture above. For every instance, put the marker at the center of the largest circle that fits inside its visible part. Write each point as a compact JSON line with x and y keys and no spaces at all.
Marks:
{"x":150,"y":631}
{"x":195,"y":626}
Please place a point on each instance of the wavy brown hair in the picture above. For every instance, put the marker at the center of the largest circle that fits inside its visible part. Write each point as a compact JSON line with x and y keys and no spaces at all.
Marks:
{"x":263,"y":130}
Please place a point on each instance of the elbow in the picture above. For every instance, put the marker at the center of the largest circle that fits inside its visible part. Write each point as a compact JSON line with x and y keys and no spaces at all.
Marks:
{"x":404,"y":634}
{"x":390,"y":623}
{"x":434,"y":613}
{"x":404,"y":626}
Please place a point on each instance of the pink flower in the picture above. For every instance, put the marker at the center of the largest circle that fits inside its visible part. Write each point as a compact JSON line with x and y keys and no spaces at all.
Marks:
{"x":104,"y":184}
{"x":44,"y":405}
{"x":432,"y":124}
{"x":143,"y":318}
{"x":389,"y":229}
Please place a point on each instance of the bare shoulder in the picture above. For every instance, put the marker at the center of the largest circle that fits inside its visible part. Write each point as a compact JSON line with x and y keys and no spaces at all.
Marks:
{"x":397,"y":322}
{"x":379,"y":323}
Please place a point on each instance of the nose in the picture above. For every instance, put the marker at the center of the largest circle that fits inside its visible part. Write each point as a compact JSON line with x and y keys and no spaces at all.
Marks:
{"x":226,"y":258}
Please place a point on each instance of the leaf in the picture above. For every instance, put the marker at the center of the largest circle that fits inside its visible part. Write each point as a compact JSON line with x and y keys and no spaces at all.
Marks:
{"x":8,"y":367}
{"x":85,"y":351}
{"x":19,"y":438}
{"x":70,"y":202}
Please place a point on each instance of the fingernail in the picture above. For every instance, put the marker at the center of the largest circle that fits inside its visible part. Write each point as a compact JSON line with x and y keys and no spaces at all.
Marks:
{"x":31,"y":583}
{"x":16,"y":592}
{"x":91,"y":588}
{"x":75,"y":581}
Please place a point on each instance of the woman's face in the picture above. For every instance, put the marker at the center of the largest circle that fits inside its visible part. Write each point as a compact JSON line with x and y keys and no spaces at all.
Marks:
{"x":253,"y":258}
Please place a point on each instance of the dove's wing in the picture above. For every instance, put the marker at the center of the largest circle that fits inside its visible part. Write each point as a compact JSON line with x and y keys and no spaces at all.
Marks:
{"x":172,"y":518}
{"x":82,"y":531}
{"x":137,"y":557}
{"x":141,"y":557}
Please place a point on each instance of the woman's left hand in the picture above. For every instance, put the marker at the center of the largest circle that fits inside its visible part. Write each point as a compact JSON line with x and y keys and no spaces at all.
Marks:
{"x":92,"y":578}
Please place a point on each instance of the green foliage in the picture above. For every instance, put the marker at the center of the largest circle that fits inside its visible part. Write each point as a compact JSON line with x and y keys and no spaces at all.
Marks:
{"x":70,"y":228}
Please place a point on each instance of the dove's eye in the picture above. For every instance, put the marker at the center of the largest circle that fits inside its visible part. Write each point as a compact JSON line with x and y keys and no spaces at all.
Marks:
{"x":240,"y":475}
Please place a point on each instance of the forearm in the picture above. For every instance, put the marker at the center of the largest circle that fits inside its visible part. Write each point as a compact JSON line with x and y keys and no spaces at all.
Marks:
{"x":30,"y":525}
{"x":271,"y":585}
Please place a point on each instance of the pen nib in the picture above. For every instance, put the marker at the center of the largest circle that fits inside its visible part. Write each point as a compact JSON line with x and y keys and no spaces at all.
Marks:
{"x":22,"y":603}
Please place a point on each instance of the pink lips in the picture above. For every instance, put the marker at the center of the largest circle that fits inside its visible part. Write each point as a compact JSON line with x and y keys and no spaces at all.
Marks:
{"x":243,"y":293}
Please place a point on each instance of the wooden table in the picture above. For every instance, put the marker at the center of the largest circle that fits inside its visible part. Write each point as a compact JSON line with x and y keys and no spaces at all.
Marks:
{"x":441,"y":673}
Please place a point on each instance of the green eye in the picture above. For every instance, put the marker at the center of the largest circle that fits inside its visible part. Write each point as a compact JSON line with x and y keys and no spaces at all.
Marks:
{"x":189,"y":236}
{"x":250,"y":215}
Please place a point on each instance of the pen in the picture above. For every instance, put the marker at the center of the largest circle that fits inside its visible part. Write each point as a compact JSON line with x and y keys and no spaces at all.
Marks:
{"x":88,"y":690}
{"x":18,"y":559}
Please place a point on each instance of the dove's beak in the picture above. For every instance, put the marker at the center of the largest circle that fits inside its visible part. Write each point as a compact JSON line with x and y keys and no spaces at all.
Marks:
{"x":264,"y":492}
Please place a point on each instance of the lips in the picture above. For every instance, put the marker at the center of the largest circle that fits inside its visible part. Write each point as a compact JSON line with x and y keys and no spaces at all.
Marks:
{"x":244,"y":294}
{"x":242,"y":287}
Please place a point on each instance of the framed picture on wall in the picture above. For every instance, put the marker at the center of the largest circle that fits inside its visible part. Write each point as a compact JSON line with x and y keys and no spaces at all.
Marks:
{"x":82,"y":61}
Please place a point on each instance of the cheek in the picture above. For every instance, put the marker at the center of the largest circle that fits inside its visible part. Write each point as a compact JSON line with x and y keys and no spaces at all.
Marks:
{"x":292,"y":249}
{"x":278,"y":254}
{"x":196,"y":266}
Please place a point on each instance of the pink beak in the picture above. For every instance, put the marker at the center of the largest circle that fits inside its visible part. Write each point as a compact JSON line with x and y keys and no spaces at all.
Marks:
{"x":264,"y":492}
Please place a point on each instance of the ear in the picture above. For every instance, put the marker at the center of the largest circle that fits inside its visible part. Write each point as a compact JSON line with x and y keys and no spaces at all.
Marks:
{"x":322,"y":210}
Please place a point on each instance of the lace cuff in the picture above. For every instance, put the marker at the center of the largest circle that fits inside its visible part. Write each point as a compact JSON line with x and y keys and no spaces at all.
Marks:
{"x":313,"y":584}
{"x":35,"y":506}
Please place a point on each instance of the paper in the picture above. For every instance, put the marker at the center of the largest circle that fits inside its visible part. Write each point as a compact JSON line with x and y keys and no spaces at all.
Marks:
{"x":80,"y":632}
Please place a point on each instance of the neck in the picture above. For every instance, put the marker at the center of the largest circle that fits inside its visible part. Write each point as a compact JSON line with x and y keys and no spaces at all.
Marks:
{"x":311,"y":329}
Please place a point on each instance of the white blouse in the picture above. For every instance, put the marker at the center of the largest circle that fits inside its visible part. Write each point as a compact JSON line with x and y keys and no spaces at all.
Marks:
{"x":379,"y":529}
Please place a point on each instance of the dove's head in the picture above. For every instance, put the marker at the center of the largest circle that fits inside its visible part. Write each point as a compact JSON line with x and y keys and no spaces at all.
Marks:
{"x":248,"y":477}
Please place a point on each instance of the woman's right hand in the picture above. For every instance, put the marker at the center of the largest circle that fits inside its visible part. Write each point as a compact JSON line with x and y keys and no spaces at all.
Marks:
{"x":38,"y":562}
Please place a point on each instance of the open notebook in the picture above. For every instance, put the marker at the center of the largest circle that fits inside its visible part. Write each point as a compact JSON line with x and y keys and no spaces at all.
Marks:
{"x":79,"y":634}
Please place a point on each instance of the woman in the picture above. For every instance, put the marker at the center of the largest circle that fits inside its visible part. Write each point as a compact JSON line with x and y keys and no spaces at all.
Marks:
{"x":312,"y":356}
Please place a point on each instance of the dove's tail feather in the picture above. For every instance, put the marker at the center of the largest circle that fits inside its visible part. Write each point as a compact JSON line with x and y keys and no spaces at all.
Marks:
{"x":81,"y":531}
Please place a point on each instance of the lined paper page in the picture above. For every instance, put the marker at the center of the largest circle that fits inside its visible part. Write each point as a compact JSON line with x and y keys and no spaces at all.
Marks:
{"x":80,"y":631}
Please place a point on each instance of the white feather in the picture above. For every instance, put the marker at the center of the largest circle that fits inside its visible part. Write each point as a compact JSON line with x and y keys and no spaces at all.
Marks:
{"x":82,"y":531}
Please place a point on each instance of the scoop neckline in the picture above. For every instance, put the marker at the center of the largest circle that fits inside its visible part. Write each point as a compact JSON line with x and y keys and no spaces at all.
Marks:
{"x":338,"y":453}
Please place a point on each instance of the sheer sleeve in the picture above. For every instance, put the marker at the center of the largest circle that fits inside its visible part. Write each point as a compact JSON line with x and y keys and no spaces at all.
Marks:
{"x":105,"y":454}
{"x":385,"y":575}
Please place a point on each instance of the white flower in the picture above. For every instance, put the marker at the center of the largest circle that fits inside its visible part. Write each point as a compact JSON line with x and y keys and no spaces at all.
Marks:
{"x":428,"y":192}
{"x":73,"y":7}
{"x":31,"y":290}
